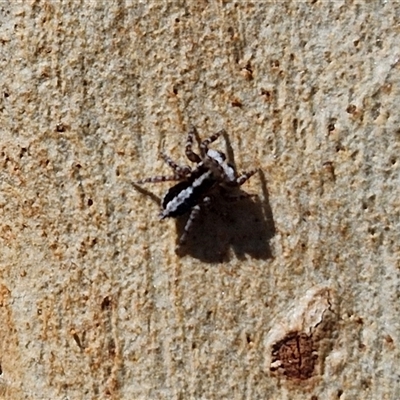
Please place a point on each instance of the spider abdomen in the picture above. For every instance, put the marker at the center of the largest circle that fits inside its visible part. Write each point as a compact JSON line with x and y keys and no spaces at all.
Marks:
{"x":187,"y":194}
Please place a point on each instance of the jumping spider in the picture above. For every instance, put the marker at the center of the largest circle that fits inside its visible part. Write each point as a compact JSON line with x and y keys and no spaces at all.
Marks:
{"x":196,"y":185}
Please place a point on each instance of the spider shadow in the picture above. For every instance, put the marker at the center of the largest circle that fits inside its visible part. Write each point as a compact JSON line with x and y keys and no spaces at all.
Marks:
{"x":146,"y":192}
{"x":245,"y":226}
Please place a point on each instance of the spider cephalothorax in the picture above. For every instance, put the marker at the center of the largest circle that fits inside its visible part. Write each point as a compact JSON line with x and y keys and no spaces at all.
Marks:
{"x":197,"y":184}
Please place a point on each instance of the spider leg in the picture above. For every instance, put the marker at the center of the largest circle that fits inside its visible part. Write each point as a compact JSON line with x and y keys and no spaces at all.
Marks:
{"x":192,"y":217}
{"x":190,"y":154}
{"x":157,"y":179}
{"x":180,"y":171}
{"x":206,"y":142}
{"x":244,"y":177}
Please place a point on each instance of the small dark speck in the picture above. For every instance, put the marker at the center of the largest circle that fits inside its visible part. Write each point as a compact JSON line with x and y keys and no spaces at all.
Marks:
{"x":77,"y":340}
{"x":23,"y":151}
{"x":389,"y":339}
{"x":90,"y":202}
{"x":275,"y":63}
{"x":105,"y":303}
{"x":267,"y":94}
{"x":327,"y":56}
{"x":236,"y":103}
{"x":177,"y":20}
{"x":6,"y":94}
{"x":339,"y":393}
{"x":60,"y":127}
{"x":331,"y":127}
{"x":351,"y":109}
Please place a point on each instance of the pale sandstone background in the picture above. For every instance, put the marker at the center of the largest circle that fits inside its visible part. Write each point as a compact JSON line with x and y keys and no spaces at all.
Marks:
{"x":94,"y":301}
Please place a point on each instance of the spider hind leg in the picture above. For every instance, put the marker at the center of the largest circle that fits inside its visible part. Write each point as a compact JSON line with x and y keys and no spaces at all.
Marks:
{"x":194,"y":214}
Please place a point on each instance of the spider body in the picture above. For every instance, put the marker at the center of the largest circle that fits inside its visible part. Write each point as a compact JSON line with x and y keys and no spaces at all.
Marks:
{"x":188,"y":193}
{"x":195,"y":186}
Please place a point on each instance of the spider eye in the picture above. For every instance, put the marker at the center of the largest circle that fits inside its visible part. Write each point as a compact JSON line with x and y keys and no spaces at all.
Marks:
{"x":216,"y":155}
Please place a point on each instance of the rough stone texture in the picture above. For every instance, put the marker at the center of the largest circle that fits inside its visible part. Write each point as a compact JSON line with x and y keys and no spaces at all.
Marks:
{"x":94,"y":301}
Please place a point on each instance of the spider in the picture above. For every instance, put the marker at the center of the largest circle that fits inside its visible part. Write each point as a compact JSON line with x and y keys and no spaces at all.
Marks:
{"x":196,"y":185}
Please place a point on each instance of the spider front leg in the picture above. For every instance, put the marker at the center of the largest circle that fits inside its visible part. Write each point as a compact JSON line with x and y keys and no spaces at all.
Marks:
{"x":190,"y":154}
{"x":179,"y":171}
{"x":206,"y":142}
{"x":159,"y":178}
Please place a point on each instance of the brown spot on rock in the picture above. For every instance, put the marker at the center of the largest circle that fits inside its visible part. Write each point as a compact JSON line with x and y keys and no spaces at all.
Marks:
{"x":294,"y":356}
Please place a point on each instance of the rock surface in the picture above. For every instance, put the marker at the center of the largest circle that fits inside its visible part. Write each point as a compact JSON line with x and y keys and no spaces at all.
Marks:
{"x":95,"y":303}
